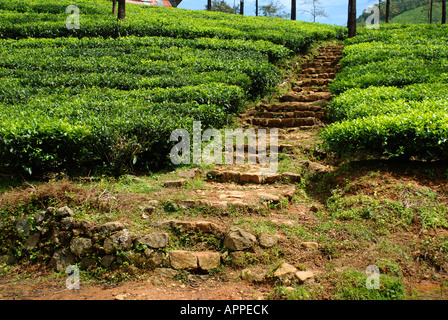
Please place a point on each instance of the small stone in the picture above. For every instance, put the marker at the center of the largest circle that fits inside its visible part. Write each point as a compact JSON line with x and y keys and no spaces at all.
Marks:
{"x":81,"y":246}
{"x":285,"y":271}
{"x":238,"y":239}
{"x":174,"y":184}
{"x":39,"y":217}
{"x":253,"y":275}
{"x":61,"y":259}
{"x":208,"y":260}
{"x":304,"y":275}
{"x":251,"y":178}
{"x":32,"y":241}
{"x":65,"y":212}
{"x":86,"y":263}
{"x":291,"y":177}
{"x":132,"y":270}
{"x":153,"y":240}
{"x":111,"y":227}
{"x":165,"y":273}
{"x":107,"y":261}
{"x":267,"y":240}
{"x":190,"y":174}
{"x":122,"y":240}
{"x":310,"y":245}
{"x":121,"y":296}
{"x":147,"y":210}
{"x":183,"y":260}
{"x":67,"y":223}
{"x":156,"y":259}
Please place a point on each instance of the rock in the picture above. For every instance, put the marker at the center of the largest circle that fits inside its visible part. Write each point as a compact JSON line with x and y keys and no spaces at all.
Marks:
{"x":61,"y":238}
{"x":183,"y":260}
{"x":267,"y":240}
{"x":147,"y":211}
{"x":65,"y":212}
{"x":81,"y":246}
{"x":39,"y":217}
{"x":86,"y":263}
{"x":32,"y":241}
{"x":165,"y":273}
{"x":190,"y":174}
{"x":237,"y":239}
{"x":108,"y":246}
{"x":68,"y":223}
{"x":111,"y":227}
{"x":269,"y":197}
{"x":107,"y":261}
{"x":285,"y":271}
{"x":153,"y":240}
{"x":304,"y":275}
{"x":87,"y":227}
{"x":256,"y":178}
{"x":174,"y":184}
{"x":122,"y":240}
{"x":208,"y":260}
{"x":61,"y":259}
{"x":238,"y":258}
{"x":310,"y":245}
{"x":291,"y":177}
{"x":314,"y":167}
{"x":156,"y":259}
{"x":132,"y":270}
{"x":253,"y":275}
{"x":121,"y":297}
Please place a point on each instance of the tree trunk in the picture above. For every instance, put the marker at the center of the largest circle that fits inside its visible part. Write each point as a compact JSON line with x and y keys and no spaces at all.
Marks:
{"x":387,"y":11}
{"x":242,"y":7}
{"x":114,"y":6}
{"x":209,"y":5}
{"x":351,"y":20}
{"x":293,"y":9}
{"x":122,"y":10}
{"x":443,"y":12}
{"x":256,"y":8}
{"x":430,"y":11}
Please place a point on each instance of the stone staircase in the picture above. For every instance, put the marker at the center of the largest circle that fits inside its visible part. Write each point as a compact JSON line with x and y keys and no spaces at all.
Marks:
{"x":304,"y":106}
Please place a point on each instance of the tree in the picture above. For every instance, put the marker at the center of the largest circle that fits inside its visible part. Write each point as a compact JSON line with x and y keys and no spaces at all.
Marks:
{"x":443,"y":12}
{"x":114,"y":6}
{"x":272,"y":9}
{"x":242,"y":7}
{"x":256,"y":8}
{"x":209,"y":5}
{"x":293,"y":9}
{"x":314,"y":7}
{"x":122,"y":10}
{"x":430,"y":11}
{"x":387,"y":11}
{"x":351,"y":18}
{"x":222,"y":6}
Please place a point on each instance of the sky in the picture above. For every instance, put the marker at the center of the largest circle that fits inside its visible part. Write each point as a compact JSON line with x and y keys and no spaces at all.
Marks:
{"x":336,"y":10}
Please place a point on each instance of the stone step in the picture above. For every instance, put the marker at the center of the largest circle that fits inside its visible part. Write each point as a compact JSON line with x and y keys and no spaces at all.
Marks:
{"x":286,"y":105}
{"x":316,"y":96}
{"x":289,"y":114}
{"x":322,"y":88}
{"x":282,"y":123}
{"x":226,"y":176}
{"x":313,"y":82}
